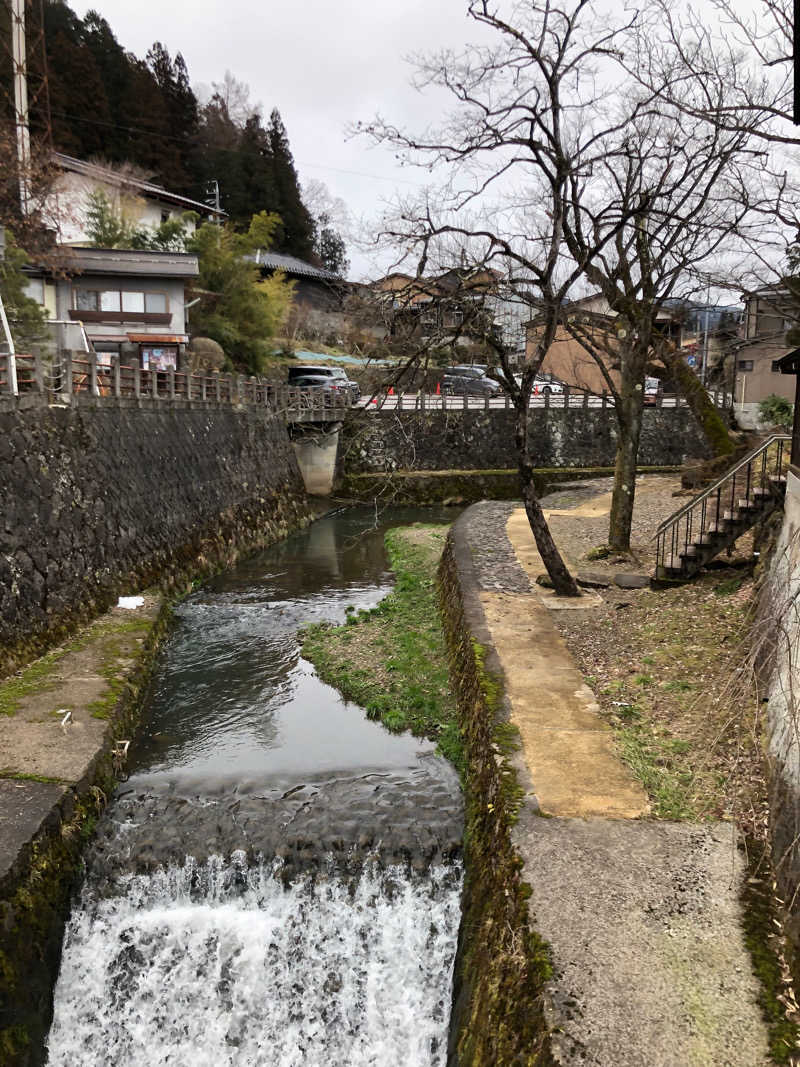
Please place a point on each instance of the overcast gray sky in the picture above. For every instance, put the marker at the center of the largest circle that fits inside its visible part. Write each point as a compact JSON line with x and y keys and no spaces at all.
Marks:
{"x":321,"y":64}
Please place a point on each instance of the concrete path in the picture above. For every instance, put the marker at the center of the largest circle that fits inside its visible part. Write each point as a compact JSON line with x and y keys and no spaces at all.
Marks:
{"x":642,"y":917}
{"x":56,"y":723}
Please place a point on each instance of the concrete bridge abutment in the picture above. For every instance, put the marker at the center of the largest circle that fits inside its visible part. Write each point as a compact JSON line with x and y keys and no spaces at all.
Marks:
{"x":316,"y":448}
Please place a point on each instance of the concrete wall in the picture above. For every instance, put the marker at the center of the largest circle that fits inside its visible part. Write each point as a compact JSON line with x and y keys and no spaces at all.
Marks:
{"x":114,"y":495}
{"x":780,"y":627}
{"x":484,"y":440}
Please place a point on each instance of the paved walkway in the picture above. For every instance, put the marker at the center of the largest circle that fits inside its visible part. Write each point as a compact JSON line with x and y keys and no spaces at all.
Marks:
{"x":56,"y":723}
{"x":643,"y":917}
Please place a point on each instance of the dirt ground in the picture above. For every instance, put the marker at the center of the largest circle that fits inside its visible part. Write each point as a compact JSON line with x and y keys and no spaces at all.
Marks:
{"x":668,"y":667}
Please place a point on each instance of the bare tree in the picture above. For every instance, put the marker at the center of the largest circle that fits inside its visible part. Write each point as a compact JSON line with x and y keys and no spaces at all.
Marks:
{"x":533,"y":122}
{"x":562,"y":169}
{"x":683,"y":186}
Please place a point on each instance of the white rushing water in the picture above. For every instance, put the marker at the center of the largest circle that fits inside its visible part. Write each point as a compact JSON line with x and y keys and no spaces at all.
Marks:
{"x":223,"y":965}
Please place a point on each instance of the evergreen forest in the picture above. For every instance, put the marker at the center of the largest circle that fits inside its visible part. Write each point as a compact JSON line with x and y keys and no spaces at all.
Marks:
{"x":106,"y":104}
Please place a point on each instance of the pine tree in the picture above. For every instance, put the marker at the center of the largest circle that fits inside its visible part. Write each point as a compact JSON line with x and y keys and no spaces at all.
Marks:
{"x":296,"y":235}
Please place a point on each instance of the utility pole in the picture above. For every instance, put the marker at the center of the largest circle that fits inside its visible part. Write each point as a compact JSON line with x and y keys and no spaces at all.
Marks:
{"x":212,"y":197}
{"x":704,"y":370}
{"x":20,"y":70}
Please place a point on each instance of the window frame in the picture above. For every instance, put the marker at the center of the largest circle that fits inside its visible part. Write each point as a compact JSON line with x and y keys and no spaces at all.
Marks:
{"x":98,"y":310}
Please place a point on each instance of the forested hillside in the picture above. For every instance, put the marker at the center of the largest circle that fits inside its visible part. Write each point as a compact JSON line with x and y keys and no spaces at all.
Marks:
{"x":106,"y":103}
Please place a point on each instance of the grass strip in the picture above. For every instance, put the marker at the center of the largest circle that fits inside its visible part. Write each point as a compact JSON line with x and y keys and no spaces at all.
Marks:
{"x":392,"y":659}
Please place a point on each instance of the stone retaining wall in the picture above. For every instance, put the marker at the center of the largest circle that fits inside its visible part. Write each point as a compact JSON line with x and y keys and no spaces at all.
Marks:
{"x":777,"y":632}
{"x":112,"y":495}
{"x":484,"y":440}
{"x":501,"y":965}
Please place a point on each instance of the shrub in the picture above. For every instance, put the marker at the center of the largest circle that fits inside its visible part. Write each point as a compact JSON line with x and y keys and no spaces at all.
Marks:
{"x":776,"y":411}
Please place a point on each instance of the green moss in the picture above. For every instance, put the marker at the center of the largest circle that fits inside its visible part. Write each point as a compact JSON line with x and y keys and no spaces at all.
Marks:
{"x":761,"y":921}
{"x":36,"y":678}
{"x":411,"y":689}
{"x":502,"y":963}
{"x":6,"y":773}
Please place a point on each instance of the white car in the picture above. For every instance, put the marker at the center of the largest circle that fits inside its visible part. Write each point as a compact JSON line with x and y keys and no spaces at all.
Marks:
{"x":543,"y":386}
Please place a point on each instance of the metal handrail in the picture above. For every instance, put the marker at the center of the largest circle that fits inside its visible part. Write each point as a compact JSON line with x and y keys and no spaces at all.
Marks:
{"x":707,"y":492}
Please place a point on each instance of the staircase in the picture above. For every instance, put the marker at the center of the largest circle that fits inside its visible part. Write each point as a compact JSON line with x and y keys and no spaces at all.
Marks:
{"x":717,"y":517}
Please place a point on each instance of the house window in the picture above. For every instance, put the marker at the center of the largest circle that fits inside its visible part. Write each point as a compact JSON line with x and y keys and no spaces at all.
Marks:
{"x":86,"y":299}
{"x":776,"y":366}
{"x":745,"y":364}
{"x":165,"y":215}
{"x":109,"y":300}
{"x":133,"y":302}
{"x":34,"y":289}
{"x":116,"y":302}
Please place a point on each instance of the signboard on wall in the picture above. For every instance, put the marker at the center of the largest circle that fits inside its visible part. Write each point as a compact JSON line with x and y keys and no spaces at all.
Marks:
{"x":159,"y":357}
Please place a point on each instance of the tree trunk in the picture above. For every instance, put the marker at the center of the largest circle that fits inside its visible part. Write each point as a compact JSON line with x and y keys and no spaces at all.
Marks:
{"x":696,"y":396}
{"x":629,"y":429}
{"x":563,"y":582}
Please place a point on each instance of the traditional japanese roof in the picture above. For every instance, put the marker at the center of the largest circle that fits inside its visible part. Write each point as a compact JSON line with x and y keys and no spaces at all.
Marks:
{"x":292,"y":265}
{"x":790,"y":363}
{"x":129,"y":261}
{"x":110,"y":177}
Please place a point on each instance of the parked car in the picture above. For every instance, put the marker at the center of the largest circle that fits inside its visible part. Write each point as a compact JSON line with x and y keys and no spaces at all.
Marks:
{"x":546,"y":387}
{"x":543,"y":386}
{"x":331,"y":387}
{"x":333,"y":379}
{"x":469,"y":380}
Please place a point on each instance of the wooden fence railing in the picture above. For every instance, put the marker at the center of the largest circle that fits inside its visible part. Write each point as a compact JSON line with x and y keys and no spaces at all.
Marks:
{"x":80,"y":374}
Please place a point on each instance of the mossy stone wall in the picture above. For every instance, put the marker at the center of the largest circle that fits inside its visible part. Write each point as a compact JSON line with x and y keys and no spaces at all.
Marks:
{"x":502,"y":965}
{"x":484,"y":440}
{"x":108,"y":497}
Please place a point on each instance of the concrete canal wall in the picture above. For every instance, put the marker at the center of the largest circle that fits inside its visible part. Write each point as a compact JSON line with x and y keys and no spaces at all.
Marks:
{"x":113,"y":495}
{"x":777,"y":637}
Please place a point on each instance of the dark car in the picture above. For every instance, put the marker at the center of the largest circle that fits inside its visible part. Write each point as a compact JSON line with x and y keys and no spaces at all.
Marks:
{"x":333,"y":379}
{"x":469,"y":380}
{"x":331,"y":387}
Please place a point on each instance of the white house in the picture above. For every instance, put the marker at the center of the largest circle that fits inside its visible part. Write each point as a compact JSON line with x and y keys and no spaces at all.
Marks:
{"x":120,"y":301}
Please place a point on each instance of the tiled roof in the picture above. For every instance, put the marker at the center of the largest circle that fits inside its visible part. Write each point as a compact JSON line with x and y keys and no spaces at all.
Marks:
{"x":157,"y":192}
{"x":127,"y":261}
{"x":293,"y":265}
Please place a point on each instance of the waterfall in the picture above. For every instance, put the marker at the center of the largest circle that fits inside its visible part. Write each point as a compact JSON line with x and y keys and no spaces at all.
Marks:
{"x":222,"y":963}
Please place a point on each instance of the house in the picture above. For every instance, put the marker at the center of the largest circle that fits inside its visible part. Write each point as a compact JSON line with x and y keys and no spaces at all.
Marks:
{"x":769,"y":313}
{"x":570,"y":362}
{"x":314,"y":287}
{"x":117,"y":301}
{"x":125,"y":303}
{"x":459,"y":305}
{"x":140,"y":201}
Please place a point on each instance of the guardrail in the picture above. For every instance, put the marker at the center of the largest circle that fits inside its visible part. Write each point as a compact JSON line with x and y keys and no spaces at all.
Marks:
{"x":716,"y":517}
{"x":81,"y":375}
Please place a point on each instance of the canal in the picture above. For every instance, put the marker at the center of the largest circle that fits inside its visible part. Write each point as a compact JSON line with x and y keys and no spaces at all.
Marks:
{"x":278,"y":881}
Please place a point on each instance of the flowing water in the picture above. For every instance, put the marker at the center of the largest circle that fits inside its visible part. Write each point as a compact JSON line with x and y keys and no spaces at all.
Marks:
{"x":278,"y":881}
